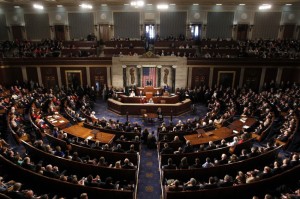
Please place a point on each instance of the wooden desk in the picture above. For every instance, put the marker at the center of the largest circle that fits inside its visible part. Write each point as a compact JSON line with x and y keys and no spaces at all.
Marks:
{"x":221,"y":133}
{"x":135,"y":108}
{"x":205,"y":137}
{"x":57,"y":120}
{"x":86,"y":133}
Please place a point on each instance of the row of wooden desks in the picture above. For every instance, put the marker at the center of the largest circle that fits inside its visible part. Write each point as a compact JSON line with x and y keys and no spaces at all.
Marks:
{"x":61,"y":122}
{"x":85,"y":133}
{"x":235,"y":127}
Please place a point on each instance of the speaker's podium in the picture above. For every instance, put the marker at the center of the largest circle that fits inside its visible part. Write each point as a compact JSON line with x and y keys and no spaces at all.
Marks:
{"x":149,"y":95}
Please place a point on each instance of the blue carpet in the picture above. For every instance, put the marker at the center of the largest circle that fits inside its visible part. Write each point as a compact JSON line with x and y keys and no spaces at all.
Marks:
{"x":149,"y":185}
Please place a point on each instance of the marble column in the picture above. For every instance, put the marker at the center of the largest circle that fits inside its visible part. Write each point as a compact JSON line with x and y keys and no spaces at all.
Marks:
{"x":241,"y":77}
{"x":39,"y":74}
{"x":58,"y":76}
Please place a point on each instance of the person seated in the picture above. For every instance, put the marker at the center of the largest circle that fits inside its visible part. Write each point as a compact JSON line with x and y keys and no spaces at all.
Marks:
{"x":167,"y":149}
{"x":151,"y":101}
{"x":211,"y":184}
{"x":132,"y":94}
{"x":127,"y":164}
{"x":170,"y":165}
{"x":175,"y":186}
{"x":191,"y":185}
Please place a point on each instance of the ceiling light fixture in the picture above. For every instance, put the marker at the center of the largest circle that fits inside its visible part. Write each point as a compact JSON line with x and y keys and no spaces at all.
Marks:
{"x":59,"y":6}
{"x":103,"y":4}
{"x":242,"y":4}
{"x":265,"y":7}
{"x":86,"y":6}
{"x":162,"y":6}
{"x":17,"y":7}
{"x":137,"y":3}
{"x":218,"y":4}
{"x":288,"y":4}
{"x":172,"y":4}
{"x":196,"y":4}
{"x":38,"y":6}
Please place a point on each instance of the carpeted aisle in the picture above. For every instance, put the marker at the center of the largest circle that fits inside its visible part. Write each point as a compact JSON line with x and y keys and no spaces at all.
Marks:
{"x":149,"y":185}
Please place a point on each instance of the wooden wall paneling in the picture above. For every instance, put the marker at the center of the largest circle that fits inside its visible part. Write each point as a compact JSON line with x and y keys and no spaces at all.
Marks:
{"x":200,"y":76}
{"x":271,"y":74}
{"x":49,"y":77}
{"x":290,"y":74}
{"x":252,"y":78}
{"x":32,"y":74}
{"x":63,"y":71}
{"x":226,"y":69}
{"x":98,"y":78}
{"x":9,"y":76}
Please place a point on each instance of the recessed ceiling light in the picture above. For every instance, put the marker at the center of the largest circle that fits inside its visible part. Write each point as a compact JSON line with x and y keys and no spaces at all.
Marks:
{"x":38,"y":6}
{"x":59,"y":6}
{"x":264,"y":7}
{"x":218,"y":4}
{"x":242,"y":4}
{"x":288,"y":4}
{"x":86,"y":6}
{"x":17,"y":7}
{"x":162,"y":6}
{"x":196,"y":4}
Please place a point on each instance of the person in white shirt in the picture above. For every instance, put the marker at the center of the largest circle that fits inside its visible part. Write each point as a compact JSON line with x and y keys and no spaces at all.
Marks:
{"x":132,"y":94}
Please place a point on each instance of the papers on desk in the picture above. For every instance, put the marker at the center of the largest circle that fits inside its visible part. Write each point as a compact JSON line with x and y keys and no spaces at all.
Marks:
{"x":56,"y":116}
{"x":61,"y":121}
{"x":243,"y":120}
{"x":246,"y":127}
{"x":49,"y":116}
{"x":53,"y":121}
{"x":89,"y":137}
{"x":235,"y":131}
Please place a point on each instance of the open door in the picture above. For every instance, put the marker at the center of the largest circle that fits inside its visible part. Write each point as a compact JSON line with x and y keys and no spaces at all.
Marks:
{"x":288,"y":32}
{"x":60,"y":33}
{"x":242,"y":32}
{"x":18,"y":32}
{"x":104,"y":32}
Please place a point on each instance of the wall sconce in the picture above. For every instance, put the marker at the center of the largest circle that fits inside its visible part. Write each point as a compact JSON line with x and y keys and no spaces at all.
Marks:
{"x":234,"y":27}
{"x":204,"y":27}
{"x":67,"y":28}
{"x":251,"y":27}
{"x":51,"y":28}
{"x":96,"y":27}
{"x":111,"y":26}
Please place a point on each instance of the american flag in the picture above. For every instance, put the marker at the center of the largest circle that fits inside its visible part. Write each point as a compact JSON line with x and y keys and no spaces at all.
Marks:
{"x":149,"y":76}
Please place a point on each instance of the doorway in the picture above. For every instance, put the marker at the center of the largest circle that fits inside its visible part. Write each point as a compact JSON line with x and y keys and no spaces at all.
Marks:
{"x":18,"y":32}
{"x":242,"y":32}
{"x":104,"y":32}
{"x":288,"y":32}
{"x":60,"y":33}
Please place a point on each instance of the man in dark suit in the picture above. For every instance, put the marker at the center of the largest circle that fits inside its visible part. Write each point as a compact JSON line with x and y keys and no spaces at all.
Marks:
{"x":188,"y":147}
{"x":167,"y":149}
{"x":170,"y":165}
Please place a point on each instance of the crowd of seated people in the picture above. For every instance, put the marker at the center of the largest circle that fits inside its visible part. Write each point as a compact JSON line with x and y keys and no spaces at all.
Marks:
{"x":242,"y":177}
{"x":54,"y":172}
{"x":44,"y":48}
{"x":225,"y":158}
{"x":277,"y":48}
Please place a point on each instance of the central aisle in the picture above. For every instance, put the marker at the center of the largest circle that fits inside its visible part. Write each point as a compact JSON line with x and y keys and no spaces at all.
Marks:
{"x":149,"y":186}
